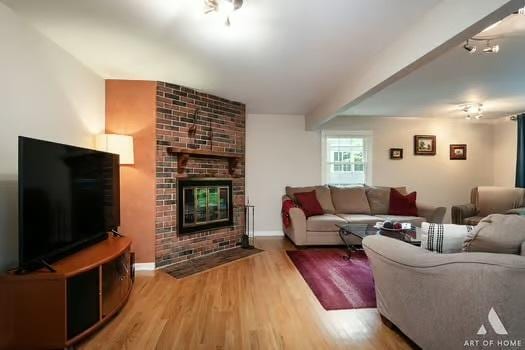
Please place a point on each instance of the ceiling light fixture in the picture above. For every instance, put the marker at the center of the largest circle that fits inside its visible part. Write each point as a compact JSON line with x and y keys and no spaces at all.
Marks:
{"x":491,"y":48}
{"x":472,"y":109}
{"x":222,"y":7}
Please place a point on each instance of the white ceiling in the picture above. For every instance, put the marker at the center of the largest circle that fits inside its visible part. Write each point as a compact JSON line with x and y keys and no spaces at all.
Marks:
{"x":457,"y":77}
{"x":277,"y":57}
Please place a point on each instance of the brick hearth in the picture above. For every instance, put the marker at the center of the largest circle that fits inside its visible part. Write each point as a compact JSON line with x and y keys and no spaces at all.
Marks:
{"x":175,"y":107}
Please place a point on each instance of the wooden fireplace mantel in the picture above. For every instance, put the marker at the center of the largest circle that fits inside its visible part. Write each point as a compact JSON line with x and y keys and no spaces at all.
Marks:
{"x":183,"y":155}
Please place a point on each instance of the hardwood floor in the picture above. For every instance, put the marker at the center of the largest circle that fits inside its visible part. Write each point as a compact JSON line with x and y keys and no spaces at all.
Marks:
{"x":260,"y":302}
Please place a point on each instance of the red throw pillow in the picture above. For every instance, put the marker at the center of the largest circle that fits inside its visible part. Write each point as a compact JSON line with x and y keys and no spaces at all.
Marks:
{"x":402,"y":205}
{"x":309,"y":203}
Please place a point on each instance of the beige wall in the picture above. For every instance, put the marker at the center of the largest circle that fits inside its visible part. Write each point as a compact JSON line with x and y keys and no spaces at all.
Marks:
{"x":280,"y":152}
{"x":47,"y":94}
{"x":505,"y":149}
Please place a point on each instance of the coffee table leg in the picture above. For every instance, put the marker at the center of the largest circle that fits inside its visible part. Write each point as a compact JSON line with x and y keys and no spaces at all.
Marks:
{"x":349,"y":247}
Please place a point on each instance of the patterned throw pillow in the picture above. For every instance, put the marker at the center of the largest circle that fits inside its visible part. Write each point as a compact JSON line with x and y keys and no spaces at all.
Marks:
{"x":444,"y":238}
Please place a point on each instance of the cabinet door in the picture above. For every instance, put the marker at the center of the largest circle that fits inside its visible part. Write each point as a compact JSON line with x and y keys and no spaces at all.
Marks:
{"x":83,"y":302}
{"x":115,"y":283}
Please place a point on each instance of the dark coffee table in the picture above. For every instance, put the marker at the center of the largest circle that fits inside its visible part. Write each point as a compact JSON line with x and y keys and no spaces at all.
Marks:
{"x":411,"y":236}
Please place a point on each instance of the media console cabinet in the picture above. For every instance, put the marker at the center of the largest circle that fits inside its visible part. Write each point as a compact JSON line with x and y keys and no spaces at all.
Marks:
{"x":55,"y":310}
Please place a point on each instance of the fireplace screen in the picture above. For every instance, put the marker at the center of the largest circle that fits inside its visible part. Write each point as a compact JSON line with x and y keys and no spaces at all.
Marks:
{"x":204,"y":204}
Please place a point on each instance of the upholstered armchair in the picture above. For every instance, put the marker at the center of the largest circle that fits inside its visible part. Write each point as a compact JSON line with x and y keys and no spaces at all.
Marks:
{"x":486,"y":200}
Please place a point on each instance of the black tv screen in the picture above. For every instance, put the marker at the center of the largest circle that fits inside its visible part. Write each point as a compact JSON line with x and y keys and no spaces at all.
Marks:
{"x":68,"y":199}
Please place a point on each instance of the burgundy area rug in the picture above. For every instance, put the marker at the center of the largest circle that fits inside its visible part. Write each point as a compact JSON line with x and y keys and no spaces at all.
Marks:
{"x":337,"y":283}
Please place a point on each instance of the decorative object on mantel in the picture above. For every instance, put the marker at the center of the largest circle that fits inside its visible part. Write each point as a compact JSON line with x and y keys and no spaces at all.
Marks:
{"x":425,"y":145}
{"x":458,"y":152}
{"x":396,"y":153}
{"x":193,"y":128}
{"x":248,"y":238}
{"x":183,"y":155}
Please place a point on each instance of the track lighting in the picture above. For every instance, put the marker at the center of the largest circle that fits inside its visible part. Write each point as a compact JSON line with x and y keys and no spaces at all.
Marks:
{"x":491,"y":48}
{"x":469,"y":48}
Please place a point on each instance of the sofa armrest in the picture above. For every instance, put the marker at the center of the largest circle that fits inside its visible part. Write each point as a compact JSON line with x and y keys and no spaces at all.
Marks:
{"x":297,"y":229}
{"x":431,"y":213}
{"x":429,"y":297}
{"x":523,"y":249}
{"x":461,"y":212}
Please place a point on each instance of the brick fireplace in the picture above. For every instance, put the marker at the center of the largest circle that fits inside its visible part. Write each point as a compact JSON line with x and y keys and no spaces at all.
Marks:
{"x":189,"y":120}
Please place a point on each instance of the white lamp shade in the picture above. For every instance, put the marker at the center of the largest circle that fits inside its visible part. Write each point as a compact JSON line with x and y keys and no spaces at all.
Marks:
{"x":118,"y":144}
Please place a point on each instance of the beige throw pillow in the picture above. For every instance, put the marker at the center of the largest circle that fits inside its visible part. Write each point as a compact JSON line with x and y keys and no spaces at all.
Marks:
{"x":321,"y":192}
{"x":497,"y":233}
{"x":350,"y":200}
{"x":379,"y":198}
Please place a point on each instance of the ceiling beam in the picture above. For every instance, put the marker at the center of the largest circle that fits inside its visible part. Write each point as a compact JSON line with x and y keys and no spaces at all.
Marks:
{"x":445,"y":26}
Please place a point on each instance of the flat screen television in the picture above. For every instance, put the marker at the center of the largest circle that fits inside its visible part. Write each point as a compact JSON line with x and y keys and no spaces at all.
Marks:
{"x":68,"y":198}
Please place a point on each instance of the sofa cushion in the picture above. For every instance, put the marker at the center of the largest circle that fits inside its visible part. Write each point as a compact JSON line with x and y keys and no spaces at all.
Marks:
{"x":401,"y":204}
{"x":350,"y":200}
{"x":323,"y":194}
{"x":379,"y":198}
{"x":414,"y":220}
{"x":359,"y":218}
{"x":444,"y":238}
{"x":309,"y":203}
{"x":324,"y":223}
{"x":497,"y":233}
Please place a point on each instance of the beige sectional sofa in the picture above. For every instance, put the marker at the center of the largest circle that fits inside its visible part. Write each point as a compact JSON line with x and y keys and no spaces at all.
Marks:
{"x":364,"y":204}
{"x":440,"y":301}
{"x":486,"y":200}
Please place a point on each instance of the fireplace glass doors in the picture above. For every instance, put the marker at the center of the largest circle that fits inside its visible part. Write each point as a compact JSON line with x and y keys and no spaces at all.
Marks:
{"x":204,"y":204}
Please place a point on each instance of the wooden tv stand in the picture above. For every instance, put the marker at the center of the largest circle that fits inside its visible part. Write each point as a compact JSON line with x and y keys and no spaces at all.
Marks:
{"x":51,"y":310}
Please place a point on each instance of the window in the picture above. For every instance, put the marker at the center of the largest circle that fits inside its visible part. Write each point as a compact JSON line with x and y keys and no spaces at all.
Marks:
{"x":346,"y":157}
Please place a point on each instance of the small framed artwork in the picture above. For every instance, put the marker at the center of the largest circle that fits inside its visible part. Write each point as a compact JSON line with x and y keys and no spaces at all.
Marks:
{"x":425,"y":145}
{"x":458,"y":152}
{"x":396,"y":153}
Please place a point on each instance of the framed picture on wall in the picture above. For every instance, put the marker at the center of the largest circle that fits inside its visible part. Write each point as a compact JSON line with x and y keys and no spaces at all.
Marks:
{"x":425,"y":145}
{"x":458,"y":152}
{"x":396,"y":153}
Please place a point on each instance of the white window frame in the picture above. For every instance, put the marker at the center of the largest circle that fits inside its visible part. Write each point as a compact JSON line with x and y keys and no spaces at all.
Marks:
{"x":367,"y":135}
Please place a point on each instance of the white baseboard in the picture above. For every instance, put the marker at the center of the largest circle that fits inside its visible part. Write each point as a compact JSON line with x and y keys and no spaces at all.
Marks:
{"x":268,"y":233}
{"x":145,"y":266}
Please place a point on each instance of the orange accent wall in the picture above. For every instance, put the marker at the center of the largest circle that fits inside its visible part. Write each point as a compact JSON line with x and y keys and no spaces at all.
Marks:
{"x":130,"y":110}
